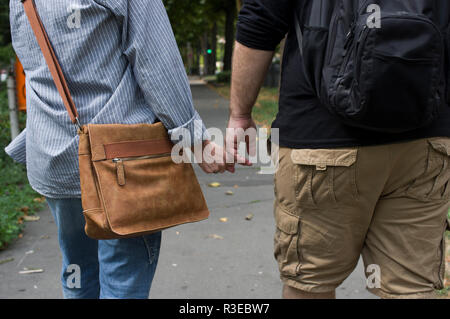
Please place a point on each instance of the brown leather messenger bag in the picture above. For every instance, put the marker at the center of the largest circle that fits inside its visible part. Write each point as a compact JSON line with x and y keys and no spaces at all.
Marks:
{"x":129,"y":184}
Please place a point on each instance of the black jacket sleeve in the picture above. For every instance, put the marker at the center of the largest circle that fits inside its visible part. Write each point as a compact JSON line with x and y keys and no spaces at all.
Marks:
{"x":262,"y":24}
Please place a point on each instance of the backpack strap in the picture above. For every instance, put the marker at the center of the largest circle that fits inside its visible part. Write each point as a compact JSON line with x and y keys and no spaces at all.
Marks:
{"x":51,"y":59}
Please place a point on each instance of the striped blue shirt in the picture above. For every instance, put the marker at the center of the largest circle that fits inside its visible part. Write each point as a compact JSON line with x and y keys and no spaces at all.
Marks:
{"x":122,"y":65}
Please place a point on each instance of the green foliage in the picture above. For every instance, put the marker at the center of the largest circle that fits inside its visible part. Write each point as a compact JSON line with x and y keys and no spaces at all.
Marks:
{"x":265,"y":112}
{"x":223,"y":77}
{"x":5,"y":34}
{"x":190,"y":19}
{"x":6,"y":50}
{"x":6,"y":54}
{"x":16,"y":195}
{"x":197,"y":23}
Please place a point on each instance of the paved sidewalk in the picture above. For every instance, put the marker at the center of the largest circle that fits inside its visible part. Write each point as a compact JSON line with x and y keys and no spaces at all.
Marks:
{"x":211,"y":259}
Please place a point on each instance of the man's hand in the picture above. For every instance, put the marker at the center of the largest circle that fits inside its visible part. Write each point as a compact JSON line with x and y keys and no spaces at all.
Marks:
{"x":237,"y":125}
{"x":249,"y":71}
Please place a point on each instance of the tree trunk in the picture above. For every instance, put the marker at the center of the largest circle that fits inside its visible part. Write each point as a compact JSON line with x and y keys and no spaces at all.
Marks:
{"x":205,"y":54}
{"x":231,"y":14}
{"x":189,"y":57}
{"x":212,"y":58}
{"x":196,"y":59}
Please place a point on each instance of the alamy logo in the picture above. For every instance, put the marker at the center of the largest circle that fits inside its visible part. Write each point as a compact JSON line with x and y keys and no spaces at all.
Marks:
{"x":74,"y":19}
{"x":374,"y":19}
{"x":74,"y":279}
{"x":373,"y":273}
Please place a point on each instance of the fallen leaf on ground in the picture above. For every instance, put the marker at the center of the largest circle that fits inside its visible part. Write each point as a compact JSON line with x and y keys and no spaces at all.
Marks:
{"x":229,"y":193}
{"x":25,"y":209}
{"x":214,"y":184}
{"x":45,"y":237}
{"x":249,"y":217}
{"x":31,"y":218}
{"x":215,"y":236}
{"x":29,"y":252}
{"x":39,"y":200}
{"x":223,"y":219}
{"x":7,"y":260}
{"x":236,"y":186}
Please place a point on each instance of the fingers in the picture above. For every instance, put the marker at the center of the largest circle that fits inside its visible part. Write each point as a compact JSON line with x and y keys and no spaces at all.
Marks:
{"x":216,"y":159}
{"x":217,"y":163}
{"x":237,"y":135}
{"x":238,"y":159}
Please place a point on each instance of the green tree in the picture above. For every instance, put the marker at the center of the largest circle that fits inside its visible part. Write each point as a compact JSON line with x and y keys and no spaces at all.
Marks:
{"x":230,"y":8}
{"x":6,"y":51}
{"x":197,"y":23}
{"x":5,"y":34}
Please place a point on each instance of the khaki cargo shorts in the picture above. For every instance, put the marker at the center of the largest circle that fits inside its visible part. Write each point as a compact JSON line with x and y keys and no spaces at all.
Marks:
{"x":387,"y":203}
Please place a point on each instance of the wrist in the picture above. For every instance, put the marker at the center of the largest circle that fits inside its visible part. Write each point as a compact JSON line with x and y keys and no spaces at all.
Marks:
{"x":240,"y":115}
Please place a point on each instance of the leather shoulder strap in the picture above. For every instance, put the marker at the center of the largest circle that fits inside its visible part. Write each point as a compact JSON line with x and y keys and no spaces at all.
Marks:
{"x":50,"y":58}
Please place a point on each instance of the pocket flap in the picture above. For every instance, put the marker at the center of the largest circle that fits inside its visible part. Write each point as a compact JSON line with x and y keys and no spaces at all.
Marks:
{"x":321,"y":158}
{"x":442,"y":145}
{"x":286,"y":222}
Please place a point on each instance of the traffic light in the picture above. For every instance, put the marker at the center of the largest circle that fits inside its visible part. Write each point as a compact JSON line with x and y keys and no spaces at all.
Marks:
{"x":209,"y":51}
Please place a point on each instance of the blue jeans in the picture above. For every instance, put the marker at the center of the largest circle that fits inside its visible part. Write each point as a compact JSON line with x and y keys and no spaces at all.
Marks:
{"x":119,"y":268}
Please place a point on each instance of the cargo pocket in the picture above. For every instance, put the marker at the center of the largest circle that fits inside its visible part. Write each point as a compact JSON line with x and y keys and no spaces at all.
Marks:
{"x":286,"y":242}
{"x":325,"y":178}
{"x":433,"y":184}
{"x":442,"y":252}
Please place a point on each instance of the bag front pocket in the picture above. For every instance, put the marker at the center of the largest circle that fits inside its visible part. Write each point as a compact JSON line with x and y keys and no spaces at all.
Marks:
{"x":149,"y":194}
{"x":398,"y":72}
{"x":400,"y":100}
{"x":325,"y":178}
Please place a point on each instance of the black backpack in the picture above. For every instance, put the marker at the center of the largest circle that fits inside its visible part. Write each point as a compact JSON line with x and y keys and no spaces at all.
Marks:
{"x":389,"y":74}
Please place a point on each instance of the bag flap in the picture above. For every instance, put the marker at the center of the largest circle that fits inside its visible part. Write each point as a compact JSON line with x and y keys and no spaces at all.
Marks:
{"x":321,"y":158}
{"x":115,"y":134}
{"x":157,"y":194}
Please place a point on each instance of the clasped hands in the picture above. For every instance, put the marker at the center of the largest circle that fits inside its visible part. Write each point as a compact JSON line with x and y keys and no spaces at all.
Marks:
{"x":218,"y":159}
